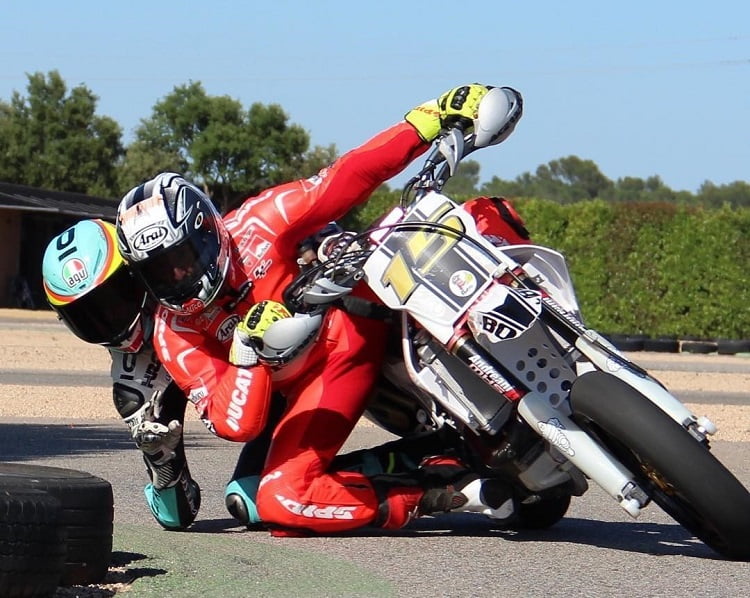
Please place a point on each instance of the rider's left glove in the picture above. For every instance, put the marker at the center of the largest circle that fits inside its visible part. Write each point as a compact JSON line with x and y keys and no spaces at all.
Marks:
{"x":248,"y":335}
{"x":460,"y":105}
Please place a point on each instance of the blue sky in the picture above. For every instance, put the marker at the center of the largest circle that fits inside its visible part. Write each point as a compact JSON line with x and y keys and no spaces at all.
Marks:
{"x":640,"y":88}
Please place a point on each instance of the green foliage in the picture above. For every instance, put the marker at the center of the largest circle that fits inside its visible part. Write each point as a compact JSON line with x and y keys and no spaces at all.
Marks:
{"x":655,"y":268}
{"x":644,"y":258}
{"x":465,"y":181}
{"x":213,"y":141}
{"x":733,"y":194}
{"x":54,"y":139}
{"x":571,"y":180}
{"x":652,"y":268}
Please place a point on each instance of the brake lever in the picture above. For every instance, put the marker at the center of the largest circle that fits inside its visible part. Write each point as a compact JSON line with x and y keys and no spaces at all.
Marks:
{"x":450,"y":147}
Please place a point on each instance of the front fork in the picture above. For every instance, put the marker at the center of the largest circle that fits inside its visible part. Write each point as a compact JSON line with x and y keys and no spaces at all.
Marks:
{"x":580,"y":449}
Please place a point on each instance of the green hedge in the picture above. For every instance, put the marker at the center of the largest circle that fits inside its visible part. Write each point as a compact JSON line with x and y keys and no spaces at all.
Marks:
{"x":652,"y":268}
{"x":642,"y":268}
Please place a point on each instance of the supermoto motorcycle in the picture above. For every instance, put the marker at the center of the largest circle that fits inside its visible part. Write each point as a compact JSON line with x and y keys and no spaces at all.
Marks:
{"x":493,"y":346}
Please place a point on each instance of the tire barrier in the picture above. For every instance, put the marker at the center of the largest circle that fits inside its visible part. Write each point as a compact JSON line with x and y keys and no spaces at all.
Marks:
{"x":86,"y":515}
{"x":732,"y":347}
{"x":663,"y":344}
{"x":32,"y":543}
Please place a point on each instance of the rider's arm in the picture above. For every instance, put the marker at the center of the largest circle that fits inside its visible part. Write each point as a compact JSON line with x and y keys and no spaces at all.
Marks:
{"x":233,"y":402}
{"x":349,"y":181}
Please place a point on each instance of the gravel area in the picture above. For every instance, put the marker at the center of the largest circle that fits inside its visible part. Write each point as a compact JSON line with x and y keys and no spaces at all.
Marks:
{"x":36,"y":340}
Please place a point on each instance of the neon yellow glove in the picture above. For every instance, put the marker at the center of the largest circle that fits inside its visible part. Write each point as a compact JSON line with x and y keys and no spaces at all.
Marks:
{"x":425,"y":118}
{"x":248,"y":335}
{"x":460,"y":104}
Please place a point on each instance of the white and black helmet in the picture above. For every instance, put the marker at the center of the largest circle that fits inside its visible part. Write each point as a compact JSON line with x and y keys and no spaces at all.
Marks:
{"x":174,"y":239}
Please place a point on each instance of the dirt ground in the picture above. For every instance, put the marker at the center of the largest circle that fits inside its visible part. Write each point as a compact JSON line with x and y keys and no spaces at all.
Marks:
{"x":34,"y":340}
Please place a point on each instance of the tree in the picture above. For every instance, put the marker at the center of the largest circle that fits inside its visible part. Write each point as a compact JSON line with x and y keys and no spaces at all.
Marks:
{"x":497,"y":187}
{"x":734,"y":194}
{"x":566,"y":180}
{"x":316,"y":159}
{"x":213,"y":141}
{"x":465,"y":181}
{"x":571,"y":179}
{"x":54,"y":139}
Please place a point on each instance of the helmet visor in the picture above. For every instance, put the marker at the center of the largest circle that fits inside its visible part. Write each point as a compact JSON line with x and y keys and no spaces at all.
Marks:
{"x":107,"y":313}
{"x":184,"y":272}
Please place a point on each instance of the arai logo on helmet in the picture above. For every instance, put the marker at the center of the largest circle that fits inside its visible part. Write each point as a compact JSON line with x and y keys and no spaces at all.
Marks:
{"x":149,"y":237}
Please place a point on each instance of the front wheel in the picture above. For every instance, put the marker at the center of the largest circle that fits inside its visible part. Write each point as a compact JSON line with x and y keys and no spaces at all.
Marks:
{"x":678,"y":472}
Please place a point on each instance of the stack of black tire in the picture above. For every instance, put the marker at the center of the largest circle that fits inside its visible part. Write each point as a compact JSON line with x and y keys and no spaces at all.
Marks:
{"x":672,"y":344}
{"x":55,"y":529}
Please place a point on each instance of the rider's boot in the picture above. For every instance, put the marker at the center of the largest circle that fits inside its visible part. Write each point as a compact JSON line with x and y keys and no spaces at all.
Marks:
{"x":240,"y":500}
{"x":453,"y":487}
{"x":173,"y":496}
{"x":439,"y":485}
{"x":174,"y":505}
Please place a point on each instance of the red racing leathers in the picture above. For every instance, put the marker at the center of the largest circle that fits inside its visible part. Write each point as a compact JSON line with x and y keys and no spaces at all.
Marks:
{"x":326,"y":387}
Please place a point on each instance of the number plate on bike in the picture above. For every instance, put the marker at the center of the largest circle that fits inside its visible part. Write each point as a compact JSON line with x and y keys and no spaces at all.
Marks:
{"x":433,"y":271}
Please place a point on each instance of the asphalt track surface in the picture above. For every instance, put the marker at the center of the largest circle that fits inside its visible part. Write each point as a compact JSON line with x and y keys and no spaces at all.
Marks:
{"x":597,"y":550}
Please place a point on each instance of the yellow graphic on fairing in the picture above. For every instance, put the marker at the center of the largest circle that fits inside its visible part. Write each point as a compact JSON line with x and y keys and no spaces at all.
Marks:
{"x":422,"y":250}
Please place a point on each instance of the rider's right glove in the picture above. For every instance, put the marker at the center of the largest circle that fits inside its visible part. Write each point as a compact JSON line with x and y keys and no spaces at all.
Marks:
{"x":248,"y":335}
{"x":459,"y":105}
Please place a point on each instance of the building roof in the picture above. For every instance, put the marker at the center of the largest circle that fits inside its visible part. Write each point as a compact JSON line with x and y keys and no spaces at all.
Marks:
{"x":33,"y":199}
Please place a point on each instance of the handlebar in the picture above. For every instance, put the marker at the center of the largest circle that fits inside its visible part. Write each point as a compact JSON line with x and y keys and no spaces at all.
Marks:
{"x":497,"y":115}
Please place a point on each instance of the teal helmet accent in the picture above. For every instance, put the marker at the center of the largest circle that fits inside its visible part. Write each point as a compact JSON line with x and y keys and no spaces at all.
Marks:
{"x":88,"y":284}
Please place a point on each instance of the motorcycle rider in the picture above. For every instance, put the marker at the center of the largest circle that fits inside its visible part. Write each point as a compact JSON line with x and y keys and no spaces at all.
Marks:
{"x":219,"y":284}
{"x":93,"y":292}
{"x":89,"y":286}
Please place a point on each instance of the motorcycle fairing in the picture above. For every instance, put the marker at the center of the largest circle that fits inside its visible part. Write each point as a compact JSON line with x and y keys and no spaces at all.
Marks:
{"x":504,"y":313}
{"x":431,"y":273}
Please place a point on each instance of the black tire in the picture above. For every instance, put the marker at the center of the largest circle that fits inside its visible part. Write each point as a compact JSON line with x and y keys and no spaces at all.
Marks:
{"x":32,"y":544}
{"x":732,"y":346}
{"x":624,"y":342}
{"x":697,"y":346}
{"x":679,"y":473}
{"x":543,"y":514}
{"x":87,"y":513}
{"x":661,"y":344}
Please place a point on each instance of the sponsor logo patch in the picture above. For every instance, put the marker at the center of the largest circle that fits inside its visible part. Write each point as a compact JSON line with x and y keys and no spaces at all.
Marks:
{"x":74,"y":272}
{"x":149,"y":237}
{"x":236,"y":407}
{"x":462,"y":283}
{"x":314,"y":511}
{"x":226,"y":328}
{"x":553,"y":431}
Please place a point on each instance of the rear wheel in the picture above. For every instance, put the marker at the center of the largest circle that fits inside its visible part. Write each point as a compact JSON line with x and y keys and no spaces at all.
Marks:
{"x":542,"y":514}
{"x":677,"y":471}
